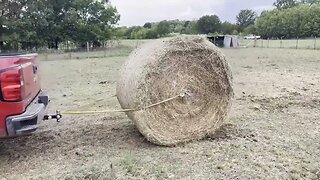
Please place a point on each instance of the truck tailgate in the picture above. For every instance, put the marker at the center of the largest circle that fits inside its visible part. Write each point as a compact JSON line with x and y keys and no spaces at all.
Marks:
{"x":30,"y":73}
{"x":31,"y":77}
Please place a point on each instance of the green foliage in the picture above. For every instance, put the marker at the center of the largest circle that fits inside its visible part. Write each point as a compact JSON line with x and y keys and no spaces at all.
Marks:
{"x":246,"y":18}
{"x":119,"y":32}
{"x":163,"y":28}
{"x":310,"y":2}
{"x":30,"y":24}
{"x":235,"y":32}
{"x":50,"y":22}
{"x":151,"y":34}
{"x":151,"y":30}
{"x":147,"y":25}
{"x":137,"y":32}
{"x":228,"y":28}
{"x":10,"y":11}
{"x":299,"y":21}
{"x":284,"y":4}
{"x":251,"y":29}
{"x":191,"y":28}
{"x":209,"y":24}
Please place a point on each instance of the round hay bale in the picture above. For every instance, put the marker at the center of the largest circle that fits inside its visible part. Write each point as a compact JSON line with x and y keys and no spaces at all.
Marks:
{"x":166,"y":68}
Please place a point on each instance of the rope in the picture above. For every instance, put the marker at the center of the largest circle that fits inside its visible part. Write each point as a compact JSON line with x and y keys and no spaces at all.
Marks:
{"x":121,"y":110}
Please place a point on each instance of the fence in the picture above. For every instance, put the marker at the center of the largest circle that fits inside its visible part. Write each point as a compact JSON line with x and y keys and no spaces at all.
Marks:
{"x":113,"y":49}
{"x":310,"y":43}
{"x":125,"y":47}
{"x":68,"y":51}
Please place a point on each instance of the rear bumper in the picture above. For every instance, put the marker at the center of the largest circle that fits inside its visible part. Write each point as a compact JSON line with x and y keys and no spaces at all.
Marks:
{"x":28,"y":121}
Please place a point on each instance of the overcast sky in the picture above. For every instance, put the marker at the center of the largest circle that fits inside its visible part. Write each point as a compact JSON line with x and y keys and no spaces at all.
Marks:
{"x":137,"y":12}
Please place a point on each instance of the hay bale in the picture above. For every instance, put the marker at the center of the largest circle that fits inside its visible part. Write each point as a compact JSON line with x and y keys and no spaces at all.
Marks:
{"x":166,"y":68}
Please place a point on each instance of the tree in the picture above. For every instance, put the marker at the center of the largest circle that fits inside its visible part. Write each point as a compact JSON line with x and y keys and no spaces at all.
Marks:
{"x":132,"y":31}
{"x":10,"y":11}
{"x":251,"y":29}
{"x":147,"y":25}
{"x":299,"y":21}
{"x":310,"y":2}
{"x":119,"y":33}
{"x":209,"y":24}
{"x":190,"y":28}
{"x":246,"y":18}
{"x":33,"y":23}
{"x":163,"y":28}
{"x":96,"y":21}
{"x":284,"y":4}
{"x":151,"y":34}
{"x":186,"y":24}
{"x":228,"y":28}
{"x":176,"y":26}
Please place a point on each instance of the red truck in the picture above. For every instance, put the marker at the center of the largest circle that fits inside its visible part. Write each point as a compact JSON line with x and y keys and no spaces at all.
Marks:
{"x":22,"y":102}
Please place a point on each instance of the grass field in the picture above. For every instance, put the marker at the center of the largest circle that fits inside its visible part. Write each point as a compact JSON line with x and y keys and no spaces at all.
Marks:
{"x":272,"y":133}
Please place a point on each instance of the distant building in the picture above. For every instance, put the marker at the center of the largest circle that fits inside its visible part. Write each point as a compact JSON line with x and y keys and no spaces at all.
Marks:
{"x":251,"y":36}
{"x":225,"y":41}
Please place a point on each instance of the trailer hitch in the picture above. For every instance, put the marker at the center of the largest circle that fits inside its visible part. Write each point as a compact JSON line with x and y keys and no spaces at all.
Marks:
{"x":56,"y":116}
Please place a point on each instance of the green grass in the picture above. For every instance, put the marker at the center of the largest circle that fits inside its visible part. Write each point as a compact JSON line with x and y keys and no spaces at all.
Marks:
{"x":131,"y":165}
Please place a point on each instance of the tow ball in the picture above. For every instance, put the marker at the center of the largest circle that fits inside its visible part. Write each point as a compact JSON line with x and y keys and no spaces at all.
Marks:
{"x":56,"y":116}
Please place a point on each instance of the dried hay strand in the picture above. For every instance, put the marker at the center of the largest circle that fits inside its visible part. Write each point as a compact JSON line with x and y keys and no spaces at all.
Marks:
{"x":166,"y":68}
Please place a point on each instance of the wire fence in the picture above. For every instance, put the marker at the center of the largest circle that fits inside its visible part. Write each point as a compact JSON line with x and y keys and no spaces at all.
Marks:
{"x":125,"y":47}
{"x":309,"y":43}
{"x":68,"y":51}
{"x":113,"y":49}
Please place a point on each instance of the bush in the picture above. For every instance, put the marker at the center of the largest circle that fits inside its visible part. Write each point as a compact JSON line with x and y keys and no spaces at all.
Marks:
{"x":299,"y":21}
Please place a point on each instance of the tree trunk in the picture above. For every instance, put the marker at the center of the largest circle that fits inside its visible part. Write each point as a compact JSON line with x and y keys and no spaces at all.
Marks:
{"x":56,"y":44}
{"x":1,"y":46}
{"x":1,"y":37}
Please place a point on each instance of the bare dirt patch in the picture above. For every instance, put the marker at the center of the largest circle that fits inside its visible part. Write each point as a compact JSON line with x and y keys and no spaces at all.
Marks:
{"x":272,"y":133}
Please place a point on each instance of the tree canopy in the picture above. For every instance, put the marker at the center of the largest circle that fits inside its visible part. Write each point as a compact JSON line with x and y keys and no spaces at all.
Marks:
{"x":209,"y":24}
{"x":298,"y":21}
{"x":246,"y":18}
{"x":32,"y":23}
{"x":284,"y":4}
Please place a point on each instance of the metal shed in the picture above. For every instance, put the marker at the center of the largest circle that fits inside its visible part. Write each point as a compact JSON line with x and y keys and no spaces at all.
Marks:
{"x":225,"y":41}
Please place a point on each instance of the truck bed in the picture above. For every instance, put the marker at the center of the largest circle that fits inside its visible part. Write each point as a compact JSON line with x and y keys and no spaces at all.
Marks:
{"x":6,"y":55}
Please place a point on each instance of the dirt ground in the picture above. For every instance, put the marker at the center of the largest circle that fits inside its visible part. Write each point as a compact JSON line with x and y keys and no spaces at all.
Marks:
{"x":273,"y":131}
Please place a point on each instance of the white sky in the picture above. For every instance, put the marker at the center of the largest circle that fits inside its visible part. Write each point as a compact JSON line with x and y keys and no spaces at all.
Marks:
{"x":137,"y":12}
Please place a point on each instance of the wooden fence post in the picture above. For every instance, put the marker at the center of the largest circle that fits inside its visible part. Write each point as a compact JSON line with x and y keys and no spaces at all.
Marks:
{"x":281,"y":43}
{"x":88,"y":49}
{"x":69,"y":55}
{"x":67,"y":45}
{"x":46,"y":56}
{"x":297,"y":42}
{"x":315,"y":42}
{"x":105,"y":49}
{"x":268,"y":42}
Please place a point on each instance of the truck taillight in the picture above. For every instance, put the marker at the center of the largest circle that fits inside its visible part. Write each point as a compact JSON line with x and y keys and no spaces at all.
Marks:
{"x":12,"y":85}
